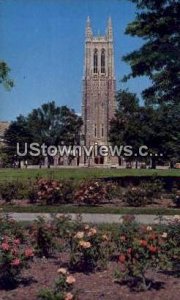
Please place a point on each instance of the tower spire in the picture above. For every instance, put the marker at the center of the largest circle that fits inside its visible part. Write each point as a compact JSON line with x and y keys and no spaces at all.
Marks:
{"x":88,"y":29}
{"x":109,"y":30}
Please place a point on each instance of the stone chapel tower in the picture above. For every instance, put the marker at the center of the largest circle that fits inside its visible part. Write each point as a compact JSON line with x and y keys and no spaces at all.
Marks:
{"x":98,"y":105}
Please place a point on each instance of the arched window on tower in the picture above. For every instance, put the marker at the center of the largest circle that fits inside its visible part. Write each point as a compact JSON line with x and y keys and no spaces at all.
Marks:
{"x":95,"y":130}
{"x":103,"y":61}
{"x":102,"y":132}
{"x":95,"y":61}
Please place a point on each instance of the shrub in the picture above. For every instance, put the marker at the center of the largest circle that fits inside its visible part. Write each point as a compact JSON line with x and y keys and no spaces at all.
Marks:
{"x":14,"y":256}
{"x":141,"y":248}
{"x":173,"y":231}
{"x":176,"y":197}
{"x":64,"y":226}
{"x":63,"y":288}
{"x":143,"y":194}
{"x":10,"y":227}
{"x":42,"y":235}
{"x":92,"y":193}
{"x":52,"y":191}
{"x":89,"y":249}
{"x":9,"y":190}
{"x":128,"y":228}
{"x":32,"y":195}
{"x":136,"y":196}
{"x":12,"y":190}
{"x":153,"y":188}
{"x":113,"y":190}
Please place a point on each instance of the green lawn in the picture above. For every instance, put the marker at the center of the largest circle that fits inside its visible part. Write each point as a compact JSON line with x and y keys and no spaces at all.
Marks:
{"x":89,"y":209}
{"x":79,"y":173}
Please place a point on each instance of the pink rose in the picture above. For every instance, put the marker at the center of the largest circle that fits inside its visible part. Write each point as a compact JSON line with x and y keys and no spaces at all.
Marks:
{"x":15,"y":262}
{"x":28,"y":252}
{"x":5,"y":246}
{"x":17,"y":241}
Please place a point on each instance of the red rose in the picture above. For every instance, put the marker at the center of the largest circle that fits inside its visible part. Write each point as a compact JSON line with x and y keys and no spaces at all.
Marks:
{"x":143,"y":243}
{"x":152,"y":249}
{"x":28,"y":252}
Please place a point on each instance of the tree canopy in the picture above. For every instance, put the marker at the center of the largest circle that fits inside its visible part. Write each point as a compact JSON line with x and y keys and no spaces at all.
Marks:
{"x":4,"y":75}
{"x":158,"y":23}
{"x":54,"y":125}
{"x":48,"y":124}
{"x":156,"y":128}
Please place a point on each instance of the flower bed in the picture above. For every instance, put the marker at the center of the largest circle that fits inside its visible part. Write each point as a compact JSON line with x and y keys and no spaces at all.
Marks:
{"x":70,"y":260}
{"x":89,"y":192}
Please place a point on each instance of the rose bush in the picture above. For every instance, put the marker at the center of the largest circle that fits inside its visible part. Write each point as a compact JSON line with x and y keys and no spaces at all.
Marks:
{"x":53,"y":192}
{"x":93,"y":192}
{"x":10,"y":227}
{"x":43,"y":237}
{"x":173,"y":245}
{"x":176,"y":197}
{"x":140,"y":248}
{"x":89,"y":249}
{"x":136,"y":196}
{"x":63,"y":288}
{"x":144,"y":193}
{"x":14,"y":256}
{"x":64,"y":227}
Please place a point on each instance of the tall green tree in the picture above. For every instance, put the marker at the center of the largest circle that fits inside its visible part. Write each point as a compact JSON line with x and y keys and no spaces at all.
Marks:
{"x":157,"y":22}
{"x":54,"y":125}
{"x":122,"y":131}
{"x":125,"y":129}
{"x":4,"y":75}
{"x":48,"y":124}
{"x":168,"y":132}
{"x":157,"y":128}
{"x":17,"y":133}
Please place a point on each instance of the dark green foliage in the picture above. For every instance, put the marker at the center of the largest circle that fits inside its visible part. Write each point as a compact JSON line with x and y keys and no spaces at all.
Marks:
{"x":10,"y":227}
{"x":18,"y":132}
{"x":65,"y":227}
{"x":43,"y":237}
{"x":143,"y":194}
{"x":17,"y":190}
{"x":157,"y":128}
{"x":8,"y":191}
{"x":136,"y":196}
{"x":4,"y":75}
{"x":176,"y":197}
{"x":157,"y":22}
{"x":48,"y":124}
{"x":52,"y":125}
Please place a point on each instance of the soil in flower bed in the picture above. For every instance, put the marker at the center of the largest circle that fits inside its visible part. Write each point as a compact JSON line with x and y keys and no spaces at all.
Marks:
{"x":92,"y":286}
{"x":165,"y":202}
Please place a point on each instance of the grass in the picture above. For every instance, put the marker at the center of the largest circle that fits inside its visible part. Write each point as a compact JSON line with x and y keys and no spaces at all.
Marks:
{"x":89,"y":209}
{"x":79,"y":173}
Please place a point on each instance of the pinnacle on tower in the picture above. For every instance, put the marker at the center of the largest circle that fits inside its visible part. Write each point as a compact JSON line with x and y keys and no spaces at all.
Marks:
{"x":88,"y":29}
{"x":110,"y":30}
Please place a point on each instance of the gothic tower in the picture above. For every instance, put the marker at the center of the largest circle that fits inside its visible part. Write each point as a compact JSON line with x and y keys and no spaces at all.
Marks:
{"x":98,"y":105}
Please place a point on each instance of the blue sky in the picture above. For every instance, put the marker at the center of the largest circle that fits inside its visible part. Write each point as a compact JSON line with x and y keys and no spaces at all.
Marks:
{"x":43,"y":43}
